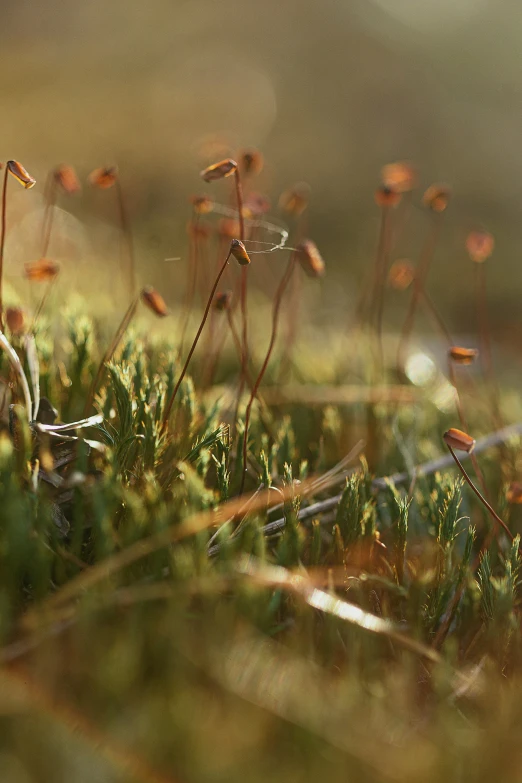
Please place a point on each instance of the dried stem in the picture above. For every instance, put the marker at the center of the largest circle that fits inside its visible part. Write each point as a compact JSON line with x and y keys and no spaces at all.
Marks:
{"x":482,"y":499}
{"x":47,"y":225}
{"x":192,"y":276}
{"x":464,"y":425}
{"x":244,"y":284}
{"x":275,"y":319}
{"x":428,"y":301}
{"x":419,"y":285}
{"x":2,"y":245}
{"x":381,"y":263}
{"x":41,"y":305}
{"x":194,"y":344}
{"x":485,"y":341}
{"x":127,"y":235}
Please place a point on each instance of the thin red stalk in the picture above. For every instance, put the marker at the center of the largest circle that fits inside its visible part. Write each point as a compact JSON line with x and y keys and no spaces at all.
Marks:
{"x":381,"y":268}
{"x":394,"y":238}
{"x":48,"y":218}
{"x":485,"y":342}
{"x":482,"y":499}
{"x":402,"y":222}
{"x":244,"y":281}
{"x":275,"y":319}
{"x":202,"y":263}
{"x":484,"y":329}
{"x":107,"y":356}
{"x":464,"y":425}
{"x":428,"y":301}
{"x":192,"y":275}
{"x":127,"y":234}
{"x":41,"y":305}
{"x":294,"y":305}
{"x":249,"y":378}
{"x":2,"y":246}
{"x":418,"y":286}
{"x":194,"y":344}
{"x":214,"y":356}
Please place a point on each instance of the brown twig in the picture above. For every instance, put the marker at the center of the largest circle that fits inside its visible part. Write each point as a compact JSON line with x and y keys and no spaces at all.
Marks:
{"x":482,"y":499}
{"x":194,"y":344}
{"x":275,"y":319}
{"x":243,"y":285}
{"x":2,"y":245}
{"x":127,"y":235}
{"x":47,"y":223}
{"x":190,"y":288}
{"x":419,"y":285}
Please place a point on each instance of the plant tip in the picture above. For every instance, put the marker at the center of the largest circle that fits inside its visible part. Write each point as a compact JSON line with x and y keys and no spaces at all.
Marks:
{"x":387,"y":197}
{"x":255,"y":205}
{"x":295,"y":200}
{"x":514,"y":493}
{"x":65,"y":176}
{"x":223,"y":301}
{"x":480,"y":245}
{"x":459,"y":440}
{"x":399,"y":176}
{"x":103,"y":178}
{"x":238,"y":250}
{"x":154,"y":301}
{"x":401,"y":275}
{"x":225,"y":168}
{"x":20,"y":174}
{"x":41,"y":271}
{"x":202,"y":205}
{"x":250,"y":161}
{"x":461,"y":355}
{"x":15,"y":320}
{"x":437,"y":197}
{"x":310,"y":258}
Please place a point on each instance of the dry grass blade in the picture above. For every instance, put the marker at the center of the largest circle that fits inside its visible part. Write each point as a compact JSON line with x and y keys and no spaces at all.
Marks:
{"x":206,"y":519}
{"x":34,"y":371}
{"x":426,"y":469}
{"x":279,"y":577}
{"x":90,"y":421}
{"x":147,"y":546}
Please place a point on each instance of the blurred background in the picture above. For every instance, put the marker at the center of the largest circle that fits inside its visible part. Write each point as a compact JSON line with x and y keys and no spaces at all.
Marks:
{"x":329,"y":91}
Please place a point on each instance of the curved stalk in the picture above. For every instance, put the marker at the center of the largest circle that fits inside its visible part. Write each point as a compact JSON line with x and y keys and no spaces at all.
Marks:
{"x":275,"y":320}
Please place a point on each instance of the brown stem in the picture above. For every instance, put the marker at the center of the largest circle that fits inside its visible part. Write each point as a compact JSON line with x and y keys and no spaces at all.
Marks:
{"x":192,"y":275}
{"x":244,"y":280}
{"x":237,"y":343}
{"x":485,"y":342}
{"x":41,"y":305}
{"x":2,"y":246}
{"x":213,"y":355}
{"x":109,"y":353}
{"x":249,"y":378}
{"x":193,"y":347}
{"x":428,"y":301}
{"x":482,"y":499}
{"x":48,"y":218}
{"x":418,"y":286}
{"x":127,"y":234}
{"x":293,"y":307}
{"x":464,"y":425}
{"x":275,"y":318}
{"x":381,"y":264}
